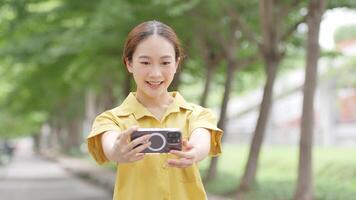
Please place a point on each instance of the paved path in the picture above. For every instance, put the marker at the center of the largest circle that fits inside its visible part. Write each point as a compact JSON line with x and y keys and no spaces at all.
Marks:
{"x":33,"y":178}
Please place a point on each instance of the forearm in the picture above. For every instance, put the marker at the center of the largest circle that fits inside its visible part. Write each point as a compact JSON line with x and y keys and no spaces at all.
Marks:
{"x":200,"y":139}
{"x":107,"y":140}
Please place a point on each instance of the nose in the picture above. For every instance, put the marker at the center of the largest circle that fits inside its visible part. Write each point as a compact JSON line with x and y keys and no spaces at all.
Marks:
{"x":155,"y":71}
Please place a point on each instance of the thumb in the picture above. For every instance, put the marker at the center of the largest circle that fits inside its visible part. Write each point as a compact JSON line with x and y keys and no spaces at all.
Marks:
{"x":126,"y":134}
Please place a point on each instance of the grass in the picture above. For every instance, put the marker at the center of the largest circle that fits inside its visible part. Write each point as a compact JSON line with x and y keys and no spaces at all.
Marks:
{"x":334,"y":173}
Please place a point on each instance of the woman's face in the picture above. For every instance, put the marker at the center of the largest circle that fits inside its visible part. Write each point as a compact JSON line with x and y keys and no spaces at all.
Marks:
{"x":153,"y":65}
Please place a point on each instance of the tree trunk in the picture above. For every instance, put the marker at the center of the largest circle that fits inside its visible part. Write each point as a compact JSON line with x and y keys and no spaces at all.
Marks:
{"x":60,"y":132}
{"x":304,"y":190}
{"x":211,"y":61}
{"x":209,"y":75}
{"x":109,"y":93}
{"x":272,"y":56}
{"x":73,"y":137}
{"x":107,"y":97}
{"x":36,"y":138}
{"x":52,"y":140}
{"x":55,"y":132}
{"x":211,"y":174}
{"x":252,"y":163}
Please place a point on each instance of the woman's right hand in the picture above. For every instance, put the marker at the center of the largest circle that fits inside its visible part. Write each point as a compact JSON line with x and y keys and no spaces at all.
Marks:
{"x":118,"y":147}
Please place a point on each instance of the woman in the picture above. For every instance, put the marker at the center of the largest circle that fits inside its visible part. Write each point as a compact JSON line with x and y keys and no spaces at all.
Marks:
{"x":152,"y":54}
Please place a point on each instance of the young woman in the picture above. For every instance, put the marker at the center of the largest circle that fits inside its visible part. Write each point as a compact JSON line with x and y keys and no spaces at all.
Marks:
{"x":152,"y":54}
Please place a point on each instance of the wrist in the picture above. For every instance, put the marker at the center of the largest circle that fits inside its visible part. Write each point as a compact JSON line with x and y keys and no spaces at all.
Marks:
{"x":197,"y":156}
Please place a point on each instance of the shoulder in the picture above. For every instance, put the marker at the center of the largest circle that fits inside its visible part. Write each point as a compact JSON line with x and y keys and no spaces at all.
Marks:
{"x":194,"y":110}
{"x":196,"y":107}
{"x":120,"y":111}
{"x":127,"y":107}
{"x":198,"y":110}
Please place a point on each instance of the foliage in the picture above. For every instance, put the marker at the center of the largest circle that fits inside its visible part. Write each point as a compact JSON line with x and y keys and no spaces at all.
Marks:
{"x":334,"y":173}
{"x":53,"y":51}
{"x":345,"y":33}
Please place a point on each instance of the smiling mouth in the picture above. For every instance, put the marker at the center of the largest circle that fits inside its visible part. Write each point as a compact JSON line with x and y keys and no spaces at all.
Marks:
{"x":154,"y":83}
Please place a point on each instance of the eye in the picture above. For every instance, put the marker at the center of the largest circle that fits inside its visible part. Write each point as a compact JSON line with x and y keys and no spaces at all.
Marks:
{"x":166,"y":63}
{"x":144,"y":63}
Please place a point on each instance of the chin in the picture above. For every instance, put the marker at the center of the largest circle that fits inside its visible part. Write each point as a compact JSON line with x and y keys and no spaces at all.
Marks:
{"x":153,"y":93}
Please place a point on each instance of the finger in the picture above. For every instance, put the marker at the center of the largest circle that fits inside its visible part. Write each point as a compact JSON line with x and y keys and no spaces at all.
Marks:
{"x":138,"y":149}
{"x":141,"y":140}
{"x":181,"y":154}
{"x":125,"y":135}
{"x":137,"y":157}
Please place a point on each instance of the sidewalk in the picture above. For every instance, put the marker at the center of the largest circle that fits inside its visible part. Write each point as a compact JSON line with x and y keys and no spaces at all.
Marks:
{"x":29,"y":176}
{"x":101,"y":176}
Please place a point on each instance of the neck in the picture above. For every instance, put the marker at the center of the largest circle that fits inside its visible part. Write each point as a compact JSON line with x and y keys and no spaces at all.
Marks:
{"x":160,"y":101}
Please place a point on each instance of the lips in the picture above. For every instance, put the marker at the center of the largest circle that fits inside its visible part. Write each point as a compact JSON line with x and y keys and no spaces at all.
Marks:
{"x":154,"y":84}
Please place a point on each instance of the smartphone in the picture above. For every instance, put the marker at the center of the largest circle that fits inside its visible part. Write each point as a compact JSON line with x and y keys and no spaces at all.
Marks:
{"x":162,"y":139}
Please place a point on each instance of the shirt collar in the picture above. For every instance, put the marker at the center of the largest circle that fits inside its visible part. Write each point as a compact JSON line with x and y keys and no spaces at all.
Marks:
{"x":132,"y":106}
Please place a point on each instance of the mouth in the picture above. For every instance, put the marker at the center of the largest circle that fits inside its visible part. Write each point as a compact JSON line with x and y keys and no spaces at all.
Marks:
{"x":154,"y":84}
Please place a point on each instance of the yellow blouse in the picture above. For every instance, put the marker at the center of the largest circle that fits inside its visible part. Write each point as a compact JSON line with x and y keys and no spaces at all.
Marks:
{"x":149,"y":178}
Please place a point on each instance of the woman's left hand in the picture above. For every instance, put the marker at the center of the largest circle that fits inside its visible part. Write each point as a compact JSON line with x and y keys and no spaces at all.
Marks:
{"x":187,"y":156}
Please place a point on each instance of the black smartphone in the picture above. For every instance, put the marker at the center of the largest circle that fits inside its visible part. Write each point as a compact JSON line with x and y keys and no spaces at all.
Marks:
{"x":162,"y":139}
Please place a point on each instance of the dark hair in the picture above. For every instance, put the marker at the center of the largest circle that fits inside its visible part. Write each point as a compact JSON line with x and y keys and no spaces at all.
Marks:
{"x":146,"y":29}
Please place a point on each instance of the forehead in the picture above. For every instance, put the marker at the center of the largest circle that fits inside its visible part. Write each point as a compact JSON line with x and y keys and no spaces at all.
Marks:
{"x":154,"y":46}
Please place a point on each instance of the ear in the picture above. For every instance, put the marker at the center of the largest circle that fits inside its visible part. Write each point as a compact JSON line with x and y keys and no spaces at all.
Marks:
{"x":128,"y":65}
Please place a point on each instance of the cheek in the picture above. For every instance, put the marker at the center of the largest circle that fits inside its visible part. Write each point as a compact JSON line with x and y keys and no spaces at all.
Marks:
{"x":169,"y":76}
{"x":169,"y":73}
{"x":139,"y":78}
{"x":139,"y":73}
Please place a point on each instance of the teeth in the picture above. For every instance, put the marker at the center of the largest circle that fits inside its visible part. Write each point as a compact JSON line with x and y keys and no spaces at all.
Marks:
{"x":155,"y":83}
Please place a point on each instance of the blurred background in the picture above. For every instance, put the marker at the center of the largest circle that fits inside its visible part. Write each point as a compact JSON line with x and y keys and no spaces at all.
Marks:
{"x":60,"y":66}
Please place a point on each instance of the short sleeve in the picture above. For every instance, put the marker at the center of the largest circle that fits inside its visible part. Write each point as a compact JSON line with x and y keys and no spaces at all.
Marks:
{"x":204,"y":118}
{"x":102,"y":123}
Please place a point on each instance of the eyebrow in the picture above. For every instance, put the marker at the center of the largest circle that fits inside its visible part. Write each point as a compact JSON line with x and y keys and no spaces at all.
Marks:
{"x":147,"y":57}
{"x":167,"y":56}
